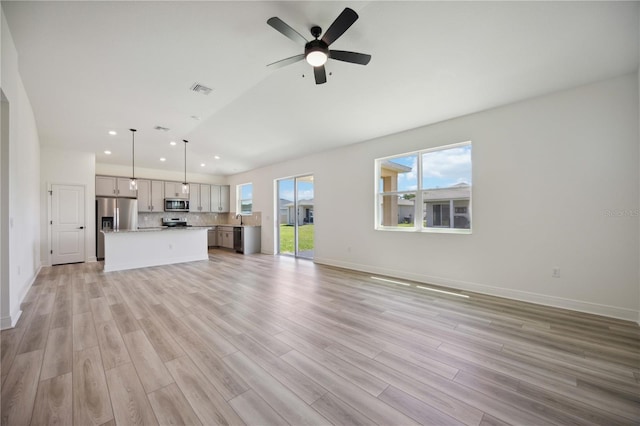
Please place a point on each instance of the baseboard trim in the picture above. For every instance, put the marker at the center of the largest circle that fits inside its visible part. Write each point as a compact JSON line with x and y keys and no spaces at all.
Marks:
{"x":540,"y":299}
{"x":11,"y":320}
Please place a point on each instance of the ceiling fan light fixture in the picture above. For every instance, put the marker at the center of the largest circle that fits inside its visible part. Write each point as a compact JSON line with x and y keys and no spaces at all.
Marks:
{"x":316,"y":57}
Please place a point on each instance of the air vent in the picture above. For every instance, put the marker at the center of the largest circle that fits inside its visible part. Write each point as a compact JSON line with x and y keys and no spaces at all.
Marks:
{"x":199,"y":88}
{"x":162,"y":129}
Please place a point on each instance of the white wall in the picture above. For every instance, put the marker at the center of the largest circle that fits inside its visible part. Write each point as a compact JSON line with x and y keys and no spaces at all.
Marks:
{"x":61,"y":166}
{"x":143,"y":173}
{"x":22,"y":186}
{"x":545,"y":171}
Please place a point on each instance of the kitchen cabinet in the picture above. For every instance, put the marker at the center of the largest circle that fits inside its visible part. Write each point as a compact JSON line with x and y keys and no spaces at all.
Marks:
{"x":109,"y":186}
{"x":199,"y":198}
{"x":212,"y":238}
{"x":106,"y":186}
{"x":150,"y":195}
{"x":225,"y":236}
{"x":174,"y":190}
{"x":220,"y":199}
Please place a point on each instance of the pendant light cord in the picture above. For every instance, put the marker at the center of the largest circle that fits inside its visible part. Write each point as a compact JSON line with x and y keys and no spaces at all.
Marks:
{"x":133,"y":154}
{"x":185,"y":160}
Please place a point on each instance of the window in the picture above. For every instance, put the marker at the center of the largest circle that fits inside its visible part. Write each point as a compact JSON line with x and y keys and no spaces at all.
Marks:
{"x":428,"y":190}
{"x":245,"y":199}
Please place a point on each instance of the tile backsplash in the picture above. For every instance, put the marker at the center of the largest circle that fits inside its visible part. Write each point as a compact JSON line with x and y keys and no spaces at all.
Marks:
{"x":153,"y":220}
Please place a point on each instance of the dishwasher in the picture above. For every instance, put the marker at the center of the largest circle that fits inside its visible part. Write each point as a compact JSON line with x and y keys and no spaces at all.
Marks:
{"x":237,"y":239}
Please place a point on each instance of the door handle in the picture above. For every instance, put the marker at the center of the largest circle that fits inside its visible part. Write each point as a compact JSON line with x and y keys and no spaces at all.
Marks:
{"x":82,"y":227}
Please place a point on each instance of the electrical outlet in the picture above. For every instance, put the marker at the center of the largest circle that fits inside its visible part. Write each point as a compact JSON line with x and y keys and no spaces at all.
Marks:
{"x":556,"y":272}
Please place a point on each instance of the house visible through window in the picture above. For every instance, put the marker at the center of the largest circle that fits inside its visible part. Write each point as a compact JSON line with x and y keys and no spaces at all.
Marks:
{"x":245,"y":199}
{"x":427,"y":190}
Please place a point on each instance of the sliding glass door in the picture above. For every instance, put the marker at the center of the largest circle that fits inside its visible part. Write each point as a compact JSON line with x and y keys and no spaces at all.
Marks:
{"x":295,"y":216}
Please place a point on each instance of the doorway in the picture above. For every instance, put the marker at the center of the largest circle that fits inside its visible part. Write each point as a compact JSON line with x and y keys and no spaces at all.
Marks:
{"x":296,"y":222}
{"x":67,"y":224}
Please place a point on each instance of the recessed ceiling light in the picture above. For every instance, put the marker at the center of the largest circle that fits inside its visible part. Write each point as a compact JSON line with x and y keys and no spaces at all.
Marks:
{"x":217,"y":157}
{"x":107,"y":152}
{"x":113,"y":132}
{"x":202,"y":164}
{"x":163,"y":159}
{"x":172,"y":143}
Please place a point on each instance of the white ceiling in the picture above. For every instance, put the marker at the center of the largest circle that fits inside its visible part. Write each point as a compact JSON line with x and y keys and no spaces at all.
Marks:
{"x":90,"y":67}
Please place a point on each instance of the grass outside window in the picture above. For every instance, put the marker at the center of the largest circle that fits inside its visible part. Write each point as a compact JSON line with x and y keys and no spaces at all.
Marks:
{"x":305,"y":238}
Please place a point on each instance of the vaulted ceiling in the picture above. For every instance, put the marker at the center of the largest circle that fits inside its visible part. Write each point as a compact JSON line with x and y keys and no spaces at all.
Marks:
{"x":90,"y":67}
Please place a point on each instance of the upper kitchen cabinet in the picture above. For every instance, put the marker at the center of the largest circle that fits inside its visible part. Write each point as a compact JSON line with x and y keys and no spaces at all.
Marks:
{"x":150,"y":195}
{"x":109,"y":186}
{"x":174,"y":190}
{"x":106,"y":186}
{"x":199,"y":198}
{"x":220,"y":198}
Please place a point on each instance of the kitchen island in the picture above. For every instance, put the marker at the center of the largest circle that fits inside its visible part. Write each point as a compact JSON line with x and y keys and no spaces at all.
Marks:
{"x":140,"y":248}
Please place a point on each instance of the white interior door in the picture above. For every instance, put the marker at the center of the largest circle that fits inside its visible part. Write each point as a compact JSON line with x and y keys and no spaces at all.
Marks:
{"x":67,"y":224}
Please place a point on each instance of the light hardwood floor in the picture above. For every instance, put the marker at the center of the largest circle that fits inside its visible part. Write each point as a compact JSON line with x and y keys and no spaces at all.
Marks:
{"x":262,"y":340}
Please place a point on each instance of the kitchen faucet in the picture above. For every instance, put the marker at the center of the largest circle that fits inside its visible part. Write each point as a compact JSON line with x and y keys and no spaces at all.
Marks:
{"x":239,"y":216}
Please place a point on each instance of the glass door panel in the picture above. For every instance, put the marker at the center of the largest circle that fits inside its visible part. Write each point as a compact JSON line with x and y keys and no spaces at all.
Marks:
{"x":295,"y":216}
{"x":286,"y":216}
{"x":304,"y":216}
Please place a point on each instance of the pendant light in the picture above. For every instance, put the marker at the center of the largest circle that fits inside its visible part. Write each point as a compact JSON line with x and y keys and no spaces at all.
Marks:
{"x":185,"y":185}
{"x":133,"y":184}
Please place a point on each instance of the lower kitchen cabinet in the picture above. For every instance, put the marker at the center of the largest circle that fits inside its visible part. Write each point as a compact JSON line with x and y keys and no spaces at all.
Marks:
{"x":250,"y":238}
{"x":212,"y":238}
{"x":225,"y":236}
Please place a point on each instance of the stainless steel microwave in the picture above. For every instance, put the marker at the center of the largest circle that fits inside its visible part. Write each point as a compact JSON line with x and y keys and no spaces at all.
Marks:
{"x":176,"y":205}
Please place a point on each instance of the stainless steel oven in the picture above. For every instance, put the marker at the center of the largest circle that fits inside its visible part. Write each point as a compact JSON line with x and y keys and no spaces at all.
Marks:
{"x":176,"y":205}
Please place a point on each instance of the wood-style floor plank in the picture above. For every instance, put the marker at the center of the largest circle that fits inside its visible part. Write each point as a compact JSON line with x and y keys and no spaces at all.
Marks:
{"x":54,"y":402}
{"x":255,"y":411}
{"x":20,"y":387}
{"x":84,"y":332}
{"x":207,"y":402}
{"x":270,"y":340}
{"x":172,"y":408}
{"x":91,"y":403}
{"x":114,"y":351}
{"x":161,"y":339}
{"x":152,"y":372}
{"x":340,"y":413}
{"x":348,"y":392}
{"x":293,"y":409}
{"x":58,"y":355}
{"x":128,"y":398}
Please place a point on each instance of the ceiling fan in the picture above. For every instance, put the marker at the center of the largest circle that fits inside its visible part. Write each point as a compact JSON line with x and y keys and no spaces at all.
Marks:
{"x":316,"y":52}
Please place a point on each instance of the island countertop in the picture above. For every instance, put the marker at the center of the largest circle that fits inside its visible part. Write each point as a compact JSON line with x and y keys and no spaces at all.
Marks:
{"x":166,"y":228}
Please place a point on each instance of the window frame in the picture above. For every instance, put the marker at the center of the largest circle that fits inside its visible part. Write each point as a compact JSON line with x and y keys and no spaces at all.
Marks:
{"x":239,"y":199}
{"x":419,"y":205}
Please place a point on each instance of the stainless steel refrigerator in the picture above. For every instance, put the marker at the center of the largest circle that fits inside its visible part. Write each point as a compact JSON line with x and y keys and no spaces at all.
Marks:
{"x":114,"y":214}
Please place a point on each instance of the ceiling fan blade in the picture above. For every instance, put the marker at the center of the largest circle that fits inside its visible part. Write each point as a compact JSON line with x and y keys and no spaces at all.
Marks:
{"x":288,"y":61}
{"x":340,"y":25}
{"x":282,"y":27}
{"x":353,"y":57}
{"x":320,"y":74}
